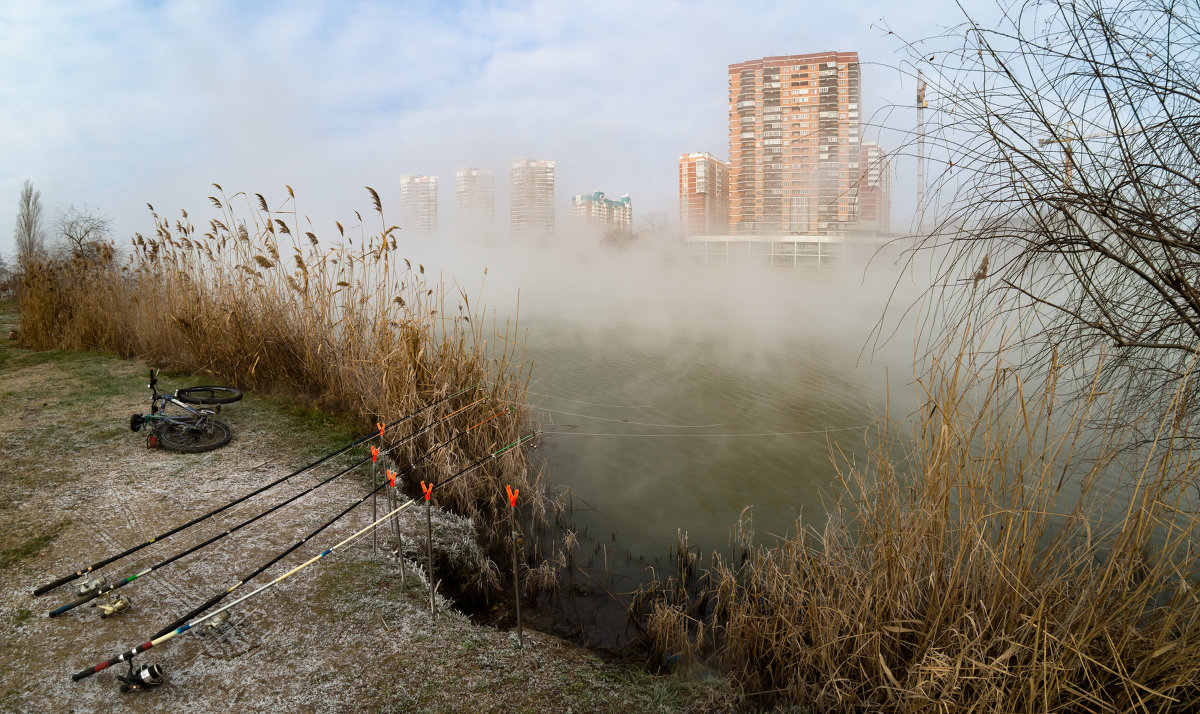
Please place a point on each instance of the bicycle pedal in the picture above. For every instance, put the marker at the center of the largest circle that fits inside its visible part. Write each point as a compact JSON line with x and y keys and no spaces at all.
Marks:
{"x":152,"y":441}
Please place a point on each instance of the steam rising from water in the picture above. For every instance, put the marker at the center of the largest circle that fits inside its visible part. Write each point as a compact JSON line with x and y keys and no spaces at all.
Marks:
{"x":675,"y":394}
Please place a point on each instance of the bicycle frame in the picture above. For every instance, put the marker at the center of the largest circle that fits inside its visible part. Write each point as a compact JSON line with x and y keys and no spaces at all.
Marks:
{"x":197,"y":417}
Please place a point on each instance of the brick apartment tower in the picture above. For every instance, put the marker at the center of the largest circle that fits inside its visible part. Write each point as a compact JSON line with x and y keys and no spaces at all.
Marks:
{"x":703,"y":195}
{"x":475,"y":205}
{"x":794,"y":144}
{"x":532,"y":199}
{"x":418,"y":203}
{"x":874,"y":189}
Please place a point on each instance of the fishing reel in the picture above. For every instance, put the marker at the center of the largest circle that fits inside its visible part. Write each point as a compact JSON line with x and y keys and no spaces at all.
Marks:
{"x":91,"y":584}
{"x":114,"y":606}
{"x":215,"y":625}
{"x":146,"y":676}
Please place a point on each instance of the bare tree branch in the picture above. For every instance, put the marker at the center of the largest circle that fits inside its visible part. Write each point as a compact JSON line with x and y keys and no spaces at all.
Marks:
{"x":1068,"y":138}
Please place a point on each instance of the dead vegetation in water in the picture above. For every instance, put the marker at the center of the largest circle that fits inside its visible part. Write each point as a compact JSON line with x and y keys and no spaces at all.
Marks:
{"x":991,"y":568}
{"x":256,"y":299}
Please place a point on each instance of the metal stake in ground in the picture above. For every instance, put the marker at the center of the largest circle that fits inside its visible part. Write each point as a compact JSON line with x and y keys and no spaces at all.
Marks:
{"x":429,"y":542}
{"x":396,"y":526}
{"x":375,"y":485}
{"x":512,"y":524}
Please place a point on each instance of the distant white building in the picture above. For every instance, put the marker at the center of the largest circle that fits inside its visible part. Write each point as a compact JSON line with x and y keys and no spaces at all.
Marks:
{"x":532,"y":199}
{"x":475,"y":204}
{"x":594,"y":213}
{"x":418,"y":204}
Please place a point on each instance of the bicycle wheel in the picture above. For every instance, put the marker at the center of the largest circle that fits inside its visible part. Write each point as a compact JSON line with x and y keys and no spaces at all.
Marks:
{"x":208,"y":395}
{"x":190,"y":437}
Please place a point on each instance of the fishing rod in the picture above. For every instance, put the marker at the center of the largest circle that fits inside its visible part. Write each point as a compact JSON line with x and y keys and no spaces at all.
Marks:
{"x":104,"y":589}
{"x":220,"y":596}
{"x":101,"y":563}
{"x":131,"y":653}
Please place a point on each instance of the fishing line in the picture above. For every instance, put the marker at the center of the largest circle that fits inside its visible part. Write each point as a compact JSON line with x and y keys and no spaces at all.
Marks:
{"x":594,"y":404}
{"x":93,"y":594}
{"x":131,"y":653}
{"x":626,"y":421}
{"x":101,"y":563}
{"x":705,"y":436}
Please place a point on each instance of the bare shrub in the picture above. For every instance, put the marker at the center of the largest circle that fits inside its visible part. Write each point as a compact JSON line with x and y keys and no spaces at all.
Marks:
{"x":1065,"y":149}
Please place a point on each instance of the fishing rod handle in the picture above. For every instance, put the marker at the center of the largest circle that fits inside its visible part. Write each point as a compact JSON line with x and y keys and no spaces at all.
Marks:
{"x":75,"y":603}
{"x":83,"y":673}
{"x":61,"y":581}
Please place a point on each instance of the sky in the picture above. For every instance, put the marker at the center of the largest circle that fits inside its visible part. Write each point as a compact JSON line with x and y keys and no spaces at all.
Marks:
{"x":112,"y":105}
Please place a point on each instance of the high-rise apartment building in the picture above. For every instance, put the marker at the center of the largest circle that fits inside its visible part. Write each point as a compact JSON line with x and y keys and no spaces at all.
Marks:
{"x":874,"y":188}
{"x":475,"y":204}
{"x":600,"y":216}
{"x":532,"y":199}
{"x":703,"y":195}
{"x":794,"y":144}
{"x":418,"y":203}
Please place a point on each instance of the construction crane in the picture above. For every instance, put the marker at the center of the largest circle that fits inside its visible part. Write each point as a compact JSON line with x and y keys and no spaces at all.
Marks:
{"x":1069,"y":153}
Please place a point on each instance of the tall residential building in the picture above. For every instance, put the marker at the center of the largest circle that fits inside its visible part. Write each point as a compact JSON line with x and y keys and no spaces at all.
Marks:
{"x":794,"y":144}
{"x":532,"y":199}
{"x":418,"y":203}
{"x":874,"y":188}
{"x":600,"y":216}
{"x":475,"y":204}
{"x":703,"y":195}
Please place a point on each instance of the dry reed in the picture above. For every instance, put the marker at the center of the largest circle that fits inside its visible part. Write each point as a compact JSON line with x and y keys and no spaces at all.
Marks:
{"x":987,"y":570}
{"x":257,"y":300}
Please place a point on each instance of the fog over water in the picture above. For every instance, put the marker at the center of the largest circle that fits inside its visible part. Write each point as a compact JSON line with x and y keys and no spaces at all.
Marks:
{"x":673,"y":395}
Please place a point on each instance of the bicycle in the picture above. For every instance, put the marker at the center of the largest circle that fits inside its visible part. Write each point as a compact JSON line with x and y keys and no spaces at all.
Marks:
{"x":195,"y":431}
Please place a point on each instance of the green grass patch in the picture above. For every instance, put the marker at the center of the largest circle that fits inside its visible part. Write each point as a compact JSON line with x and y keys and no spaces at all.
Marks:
{"x":31,"y":547}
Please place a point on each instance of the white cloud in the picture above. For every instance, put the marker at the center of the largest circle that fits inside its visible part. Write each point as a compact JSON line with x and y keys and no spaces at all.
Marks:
{"x":118,"y":103}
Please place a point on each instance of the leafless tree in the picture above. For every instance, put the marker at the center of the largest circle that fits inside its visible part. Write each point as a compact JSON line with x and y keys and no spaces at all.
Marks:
{"x":1064,"y":146}
{"x":6,"y":279}
{"x":82,"y":230}
{"x":30,"y":234}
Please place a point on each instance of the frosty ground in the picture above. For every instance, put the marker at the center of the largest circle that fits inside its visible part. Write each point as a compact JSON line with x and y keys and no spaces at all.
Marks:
{"x":345,"y":635}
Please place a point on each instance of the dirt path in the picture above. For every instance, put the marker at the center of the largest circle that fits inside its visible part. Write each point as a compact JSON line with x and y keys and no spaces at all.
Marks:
{"x":346,"y":635}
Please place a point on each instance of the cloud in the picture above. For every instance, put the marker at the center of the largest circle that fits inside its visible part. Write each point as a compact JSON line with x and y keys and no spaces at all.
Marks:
{"x":118,"y":103}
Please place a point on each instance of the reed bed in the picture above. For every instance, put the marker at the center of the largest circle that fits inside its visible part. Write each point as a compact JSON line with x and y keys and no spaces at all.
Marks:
{"x":255,"y":299}
{"x":992,"y":568}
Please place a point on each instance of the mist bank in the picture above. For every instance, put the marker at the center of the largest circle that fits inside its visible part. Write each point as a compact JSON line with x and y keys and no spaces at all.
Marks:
{"x":652,"y":290}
